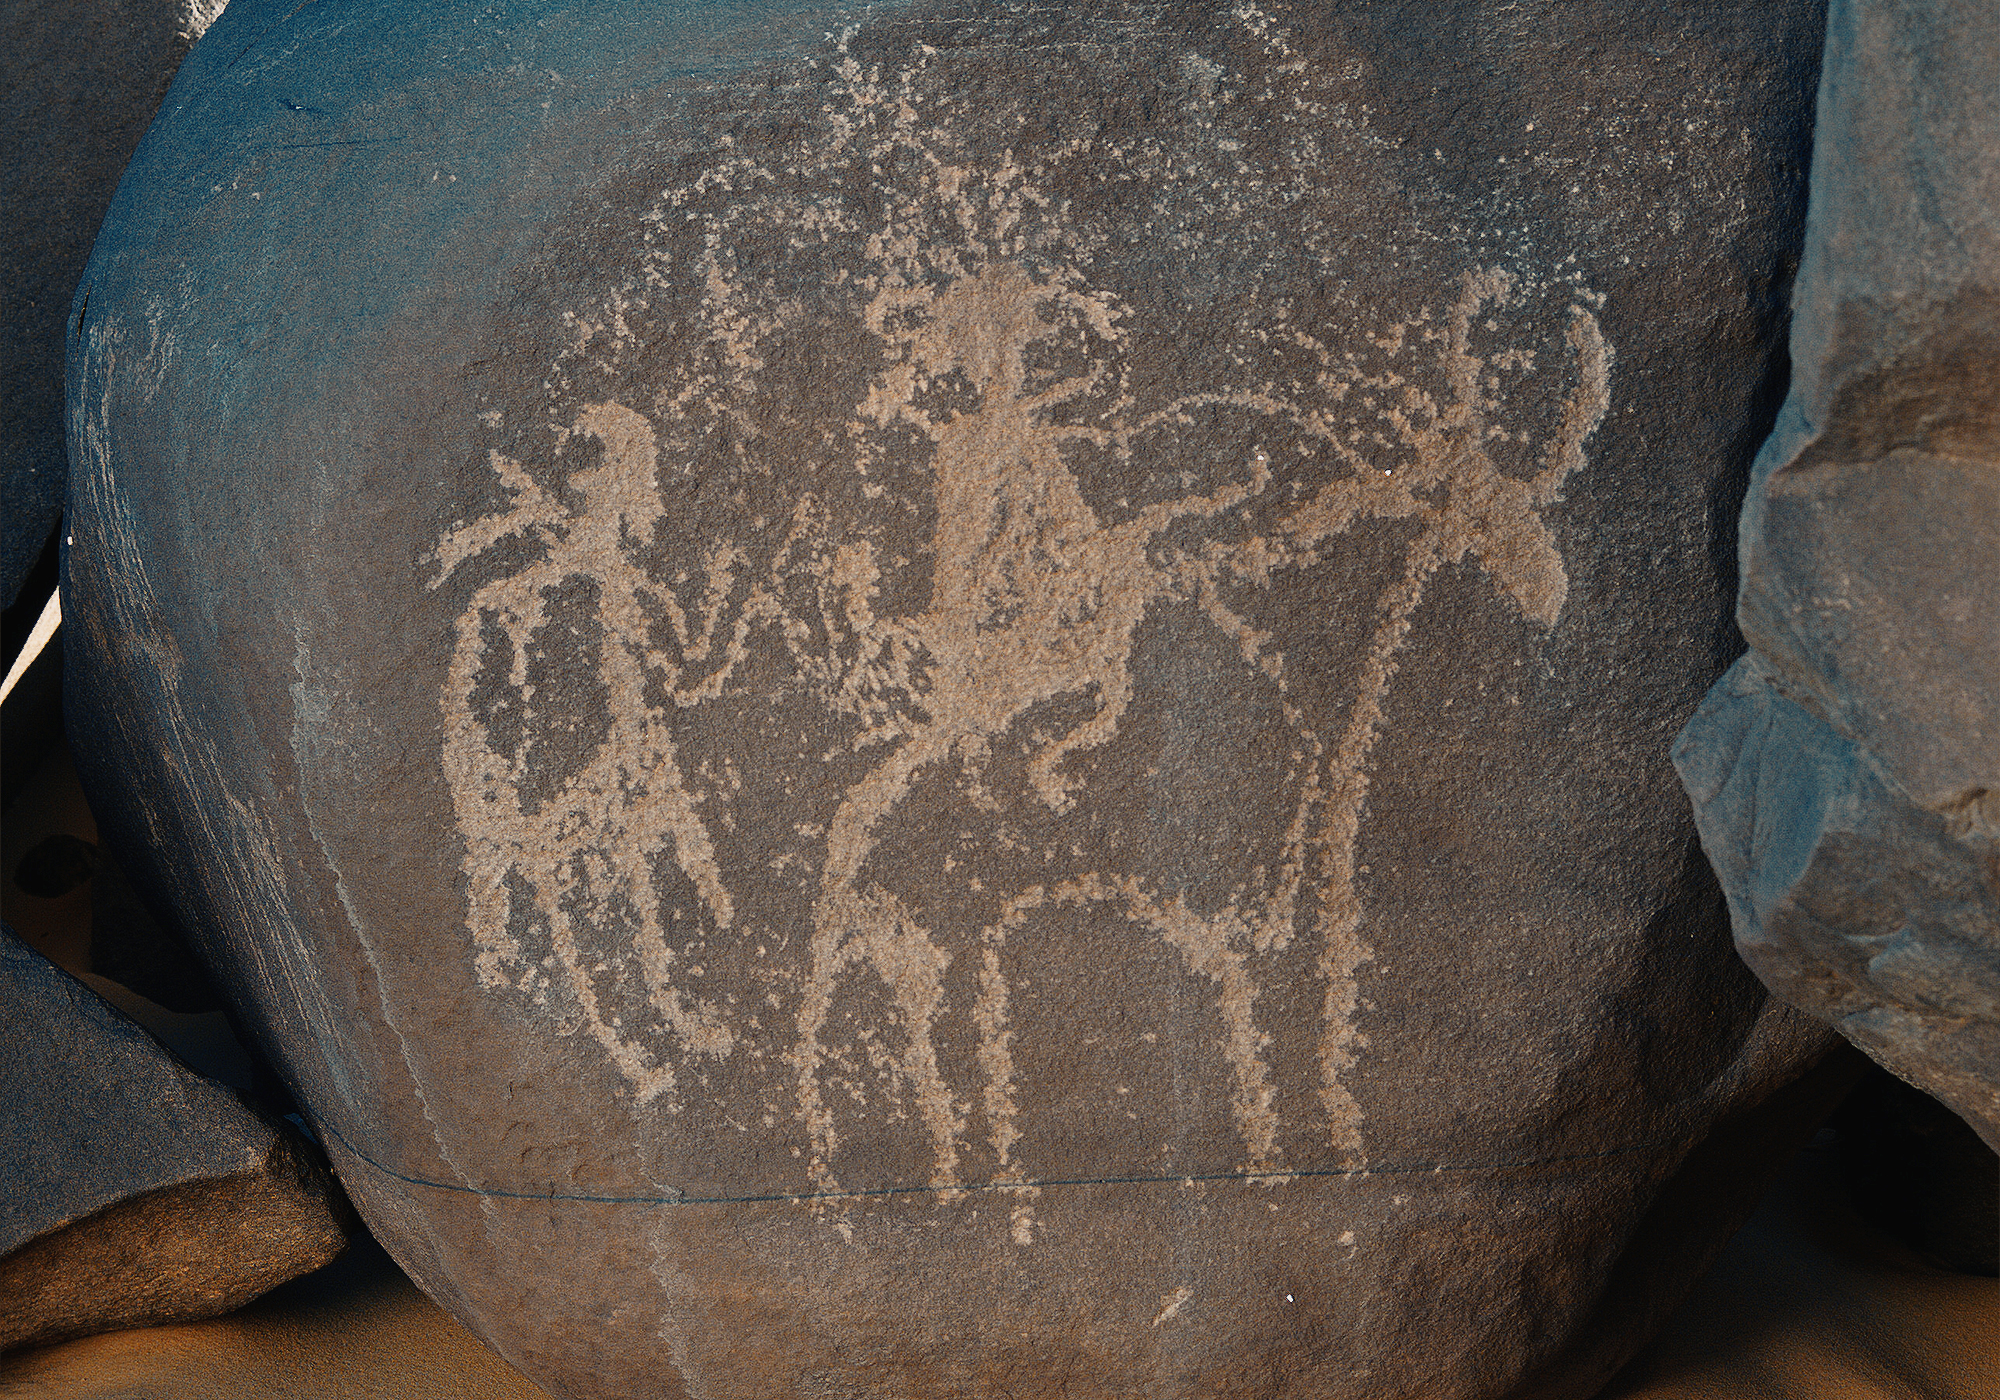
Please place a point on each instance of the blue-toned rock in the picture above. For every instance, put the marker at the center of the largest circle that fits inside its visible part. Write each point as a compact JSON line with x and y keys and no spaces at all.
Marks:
{"x":79,"y":82}
{"x":1846,"y":775}
{"x":940,"y":701}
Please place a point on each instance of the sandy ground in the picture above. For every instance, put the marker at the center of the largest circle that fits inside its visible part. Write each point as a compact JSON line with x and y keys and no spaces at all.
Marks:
{"x":1809,"y":1302}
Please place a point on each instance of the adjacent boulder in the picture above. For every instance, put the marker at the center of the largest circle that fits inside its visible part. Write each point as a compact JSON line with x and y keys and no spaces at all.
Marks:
{"x":937,"y":701}
{"x":79,"y":82}
{"x":133,"y":1191}
{"x":1846,"y":775}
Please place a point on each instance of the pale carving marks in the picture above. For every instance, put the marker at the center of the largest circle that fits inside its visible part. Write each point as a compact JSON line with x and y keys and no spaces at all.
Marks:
{"x":997,"y":359}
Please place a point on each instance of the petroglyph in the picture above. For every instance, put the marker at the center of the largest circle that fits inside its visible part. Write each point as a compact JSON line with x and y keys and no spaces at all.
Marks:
{"x":587,"y":856}
{"x":996,"y":360}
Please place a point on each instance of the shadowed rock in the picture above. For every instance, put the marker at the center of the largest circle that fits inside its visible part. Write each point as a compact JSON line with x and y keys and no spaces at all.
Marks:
{"x":133,"y":1191}
{"x":1846,"y":775}
{"x":1918,"y":1170}
{"x":79,"y":81}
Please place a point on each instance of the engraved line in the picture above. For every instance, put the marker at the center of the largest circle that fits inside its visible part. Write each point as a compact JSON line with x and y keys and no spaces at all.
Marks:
{"x":963,"y":1188}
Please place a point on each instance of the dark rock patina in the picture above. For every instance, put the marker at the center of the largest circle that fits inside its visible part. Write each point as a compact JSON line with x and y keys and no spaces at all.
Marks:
{"x":132,"y":1190}
{"x":949,"y":701}
{"x":1846,"y":774}
{"x":79,"y":82}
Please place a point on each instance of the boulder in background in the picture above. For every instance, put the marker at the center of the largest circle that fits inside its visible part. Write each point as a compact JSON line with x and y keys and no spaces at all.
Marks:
{"x":133,"y":1191}
{"x":1846,"y":774}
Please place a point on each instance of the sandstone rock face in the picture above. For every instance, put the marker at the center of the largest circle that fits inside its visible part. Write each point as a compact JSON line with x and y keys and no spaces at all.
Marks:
{"x":133,"y":1191}
{"x":943,"y":702}
{"x":1847,"y":774}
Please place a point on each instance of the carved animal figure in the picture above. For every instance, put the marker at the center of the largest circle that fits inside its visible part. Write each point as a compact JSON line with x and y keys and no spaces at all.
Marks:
{"x":954,"y":702}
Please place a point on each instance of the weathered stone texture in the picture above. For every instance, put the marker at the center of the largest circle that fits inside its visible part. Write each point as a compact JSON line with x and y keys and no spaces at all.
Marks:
{"x":133,"y":1191}
{"x":1851,"y":901}
{"x":1847,"y":774}
{"x":948,"y":702}
{"x":79,"y":82}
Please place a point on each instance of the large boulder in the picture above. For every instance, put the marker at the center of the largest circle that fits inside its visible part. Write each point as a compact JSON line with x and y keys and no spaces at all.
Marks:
{"x":1846,"y":774}
{"x":929,"y":702}
{"x":132,"y":1190}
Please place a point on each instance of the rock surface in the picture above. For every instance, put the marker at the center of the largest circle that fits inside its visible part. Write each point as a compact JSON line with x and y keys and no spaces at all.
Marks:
{"x":79,"y":82}
{"x":925,"y":702}
{"x":133,"y":1191}
{"x":1807,"y":1302}
{"x":1846,"y":775}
